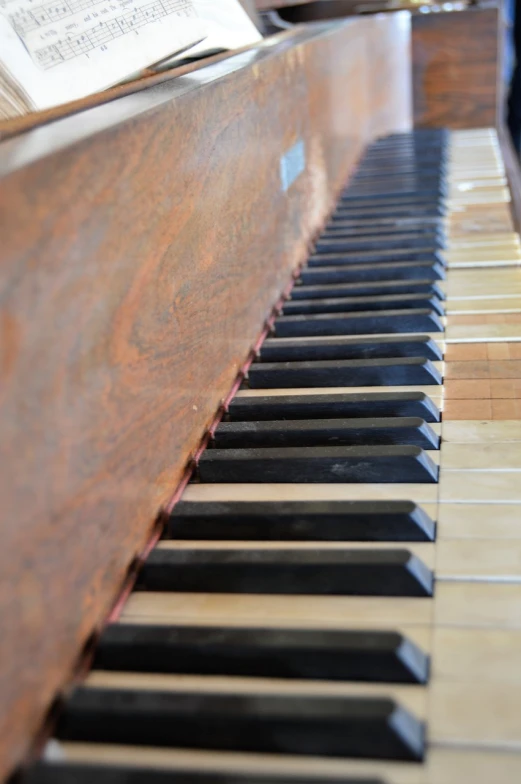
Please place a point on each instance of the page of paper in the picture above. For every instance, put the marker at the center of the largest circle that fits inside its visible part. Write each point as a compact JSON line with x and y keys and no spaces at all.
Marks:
{"x":60,"y":50}
{"x":228,"y":26}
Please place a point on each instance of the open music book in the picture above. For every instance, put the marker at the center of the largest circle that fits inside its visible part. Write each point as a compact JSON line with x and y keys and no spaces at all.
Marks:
{"x":54,"y":51}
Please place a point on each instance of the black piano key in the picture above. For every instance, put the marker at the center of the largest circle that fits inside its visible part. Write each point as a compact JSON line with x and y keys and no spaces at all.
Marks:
{"x":367,"y":289}
{"x":335,"y":242}
{"x":325,"y":432}
{"x":348,"y":347}
{"x":263,"y":653}
{"x":352,"y":304}
{"x":404,"y":186}
{"x":323,"y":726}
{"x":385,"y":271}
{"x":320,"y":521}
{"x":331,"y":464}
{"x":428,"y":233}
{"x":404,"y":156}
{"x":391,"y":169}
{"x":407,"y":162}
{"x":397,"y":211}
{"x":387,"y":182}
{"x":414,"y":203}
{"x":370,"y":322}
{"x":401,"y":371}
{"x":370,"y":572}
{"x":92,"y":773}
{"x":327,"y":406}
{"x":334,"y":255}
{"x":409,"y":193}
{"x":383,"y":223}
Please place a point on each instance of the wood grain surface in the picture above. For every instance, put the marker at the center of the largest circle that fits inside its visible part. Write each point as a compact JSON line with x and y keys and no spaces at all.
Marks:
{"x":143,"y":244}
{"x":455,"y":68}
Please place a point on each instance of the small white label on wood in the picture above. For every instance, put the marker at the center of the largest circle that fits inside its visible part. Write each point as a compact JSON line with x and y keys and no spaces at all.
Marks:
{"x":292,"y":164}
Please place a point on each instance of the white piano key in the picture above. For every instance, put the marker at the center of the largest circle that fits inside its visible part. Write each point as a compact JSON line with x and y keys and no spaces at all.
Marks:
{"x":419,"y":493}
{"x":310,"y":612}
{"x":444,"y":765}
{"x":482,"y":333}
{"x":434,"y":392}
{"x":479,"y":486}
{"x":476,"y":655}
{"x":478,"y":521}
{"x":491,"y":456}
{"x":481,"y":432}
{"x":459,"y":306}
{"x":479,"y":605}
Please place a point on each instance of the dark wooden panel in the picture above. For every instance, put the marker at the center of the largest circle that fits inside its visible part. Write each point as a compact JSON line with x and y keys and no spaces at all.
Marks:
{"x":264,"y":5}
{"x":143,"y":243}
{"x":455,"y":68}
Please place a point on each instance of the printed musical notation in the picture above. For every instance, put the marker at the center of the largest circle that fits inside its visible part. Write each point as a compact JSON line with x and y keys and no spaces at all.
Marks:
{"x":26,"y":20}
{"x":103,"y":32}
{"x":62,"y":50}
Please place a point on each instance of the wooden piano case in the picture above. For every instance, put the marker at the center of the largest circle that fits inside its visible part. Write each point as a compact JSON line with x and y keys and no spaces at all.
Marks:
{"x":143,"y":243}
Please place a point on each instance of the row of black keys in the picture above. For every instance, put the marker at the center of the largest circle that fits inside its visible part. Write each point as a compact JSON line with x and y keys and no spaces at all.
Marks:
{"x":370,"y":437}
{"x":375,"y":270}
{"x":316,"y":344}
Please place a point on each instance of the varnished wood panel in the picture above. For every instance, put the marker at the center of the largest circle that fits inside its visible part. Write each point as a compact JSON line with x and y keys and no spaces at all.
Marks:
{"x":455,"y":68}
{"x":143,"y":244}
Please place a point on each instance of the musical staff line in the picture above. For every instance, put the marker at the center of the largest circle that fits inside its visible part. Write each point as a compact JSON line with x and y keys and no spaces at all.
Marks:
{"x":26,"y":21}
{"x":102,"y":33}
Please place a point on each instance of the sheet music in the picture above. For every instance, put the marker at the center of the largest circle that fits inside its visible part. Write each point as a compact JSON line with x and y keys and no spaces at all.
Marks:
{"x":59,"y":50}
{"x":228,"y":26}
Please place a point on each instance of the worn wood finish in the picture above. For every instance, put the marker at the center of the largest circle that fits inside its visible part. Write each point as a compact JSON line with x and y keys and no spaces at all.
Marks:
{"x":455,"y":68}
{"x":143,"y":244}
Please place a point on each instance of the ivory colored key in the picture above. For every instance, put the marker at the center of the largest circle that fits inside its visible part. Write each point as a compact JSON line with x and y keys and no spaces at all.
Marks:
{"x":418,"y":493}
{"x":483,"y":305}
{"x":464,"y":283}
{"x":477,"y":521}
{"x":492,"y":456}
{"x":474,"y":604}
{"x":63,"y":773}
{"x":442,"y":765}
{"x":432,"y":391}
{"x":482,"y":333}
{"x":293,"y":612}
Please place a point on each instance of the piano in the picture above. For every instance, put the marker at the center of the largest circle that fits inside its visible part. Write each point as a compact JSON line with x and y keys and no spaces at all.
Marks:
{"x":261,"y":435}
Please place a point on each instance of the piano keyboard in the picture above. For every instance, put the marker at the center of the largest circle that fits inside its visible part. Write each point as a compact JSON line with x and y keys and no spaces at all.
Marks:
{"x":337,"y":596}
